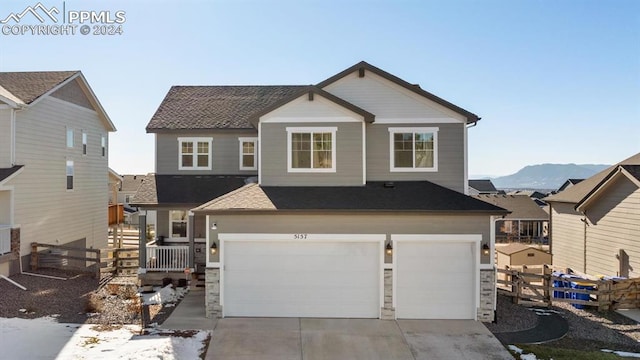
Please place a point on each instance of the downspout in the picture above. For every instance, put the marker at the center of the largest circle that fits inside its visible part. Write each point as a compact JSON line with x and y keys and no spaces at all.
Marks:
{"x":584,"y":244}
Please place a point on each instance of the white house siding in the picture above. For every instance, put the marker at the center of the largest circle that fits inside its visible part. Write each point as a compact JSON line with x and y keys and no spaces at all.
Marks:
{"x":387,"y":100}
{"x":614,"y":224}
{"x":44,"y":209}
{"x":225,"y":152}
{"x":567,"y":237}
{"x":5,"y":138}
{"x":348,"y":147}
{"x":450,"y":172}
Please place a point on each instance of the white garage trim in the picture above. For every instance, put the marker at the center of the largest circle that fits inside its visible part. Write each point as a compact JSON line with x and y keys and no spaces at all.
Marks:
{"x":445,"y":238}
{"x":302,"y":238}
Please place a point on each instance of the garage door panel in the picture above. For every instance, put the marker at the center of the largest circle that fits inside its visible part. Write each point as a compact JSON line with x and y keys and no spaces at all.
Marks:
{"x":309,"y":279}
{"x":435,"y":280}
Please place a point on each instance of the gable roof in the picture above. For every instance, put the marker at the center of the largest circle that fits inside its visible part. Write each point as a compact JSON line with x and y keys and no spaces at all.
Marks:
{"x":632,"y":172}
{"x":29,"y":86}
{"x":484,"y":185}
{"x":516,"y":248}
{"x":6,"y":173}
{"x":578,"y":192}
{"x":569,"y":183}
{"x":367,"y":116}
{"x":131,"y":182}
{"x":521,"y":206}
{"x":215,"y":107}
{"x":421,"y":196}
{"x":184,"y":190}
{"x":364,"y":66}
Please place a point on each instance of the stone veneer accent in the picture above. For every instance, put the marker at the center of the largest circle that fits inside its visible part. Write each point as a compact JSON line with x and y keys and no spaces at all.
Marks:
{"x":15,"y":242}
{"x":388,"y":311}
{"x":213,"y":309}
{"x":487,"y":295}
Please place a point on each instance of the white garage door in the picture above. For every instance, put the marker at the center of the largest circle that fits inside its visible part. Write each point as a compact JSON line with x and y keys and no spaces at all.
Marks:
{"x":435,"y":280}
{"x":301,"y":279}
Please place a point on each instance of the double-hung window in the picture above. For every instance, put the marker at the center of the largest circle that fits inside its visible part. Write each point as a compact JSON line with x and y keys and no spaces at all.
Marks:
{"x":178,"y":223}
{"x":194,"y":153}
{"x":103,"y":144}
{"x":248,"y":151}
{"x":69,"y":137}
{"x":69,"y":172}
{"x":311,"y":149}
{"x":413,"y":149}
{"x":84,"y":143}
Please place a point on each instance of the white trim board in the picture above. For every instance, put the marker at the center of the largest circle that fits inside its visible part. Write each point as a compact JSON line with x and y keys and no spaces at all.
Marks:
{"x":302,"y":237}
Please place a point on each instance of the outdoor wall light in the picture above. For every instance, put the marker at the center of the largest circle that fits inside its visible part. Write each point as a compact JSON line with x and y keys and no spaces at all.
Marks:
{"x":213,"y":248}
{"x":485,"y":249}
{"x":214,"y":226}
{"x":389,"y":248}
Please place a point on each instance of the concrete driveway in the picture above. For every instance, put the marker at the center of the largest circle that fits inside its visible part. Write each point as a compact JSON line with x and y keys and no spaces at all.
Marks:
{"x":310,"y":339}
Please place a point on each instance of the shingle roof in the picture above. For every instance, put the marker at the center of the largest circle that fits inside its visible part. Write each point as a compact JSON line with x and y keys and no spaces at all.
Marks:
{"x":521,"y":206}
{"x":28,"y":86}
{"x":184,"y":190}
{"x":6,"y":172}
{"x":131,"y":182}
{"x":421,"y":196}
{"x":215,"y":107}
{"x":579,"y":191}
{"x":483,"y":185}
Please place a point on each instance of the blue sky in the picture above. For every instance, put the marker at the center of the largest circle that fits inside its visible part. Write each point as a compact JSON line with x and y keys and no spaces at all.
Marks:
{"x":554,"y":81}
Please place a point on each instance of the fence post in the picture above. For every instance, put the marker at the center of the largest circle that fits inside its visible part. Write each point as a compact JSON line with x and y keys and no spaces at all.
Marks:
{"x":34,"y":256}
{"x":547,"y":283}
{"x":603,"y":294}
{"x":98,"y":263}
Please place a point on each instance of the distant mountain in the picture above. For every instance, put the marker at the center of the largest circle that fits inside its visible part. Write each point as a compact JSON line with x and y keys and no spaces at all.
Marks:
{"x":546,"y":176}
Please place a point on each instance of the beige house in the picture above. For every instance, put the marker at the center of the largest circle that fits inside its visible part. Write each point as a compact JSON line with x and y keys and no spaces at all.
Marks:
{"x":521,"y":254}
{"x":54,"y":137}
{"x":595,"y":224}
{"x":344,"y":199}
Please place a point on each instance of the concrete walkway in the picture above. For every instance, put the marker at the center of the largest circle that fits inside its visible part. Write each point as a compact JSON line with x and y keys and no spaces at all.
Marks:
{"x":189,"y":314}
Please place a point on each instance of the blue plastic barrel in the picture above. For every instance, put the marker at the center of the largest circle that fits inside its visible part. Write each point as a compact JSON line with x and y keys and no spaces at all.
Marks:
{"x":558,"y":284}
{"x":577,"y":296}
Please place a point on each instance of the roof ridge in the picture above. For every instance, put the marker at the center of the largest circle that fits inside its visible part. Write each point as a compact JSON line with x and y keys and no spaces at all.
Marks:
{"x":227,"y":195}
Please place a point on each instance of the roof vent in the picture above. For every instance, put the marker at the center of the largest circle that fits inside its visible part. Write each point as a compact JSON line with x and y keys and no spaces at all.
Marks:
{"x":389,"y":184}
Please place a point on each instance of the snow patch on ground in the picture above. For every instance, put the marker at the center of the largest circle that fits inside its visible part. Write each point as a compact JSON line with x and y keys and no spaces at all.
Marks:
{"x":622,"y":353}
{"x":44,"y":338}
{"x":519,"y":351}
{"x":167,"y":294}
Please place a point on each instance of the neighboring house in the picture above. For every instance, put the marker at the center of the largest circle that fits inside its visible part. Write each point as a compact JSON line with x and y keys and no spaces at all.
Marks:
{"x":569,"y":183}
{"x":535,"y":195}
{"x":527,"y":222}
{"x":595,"y":224}
{"x":521,"y":254}
{"x":485,"y":186}
{"x":343,"y":199}
{"x":53,"y":164}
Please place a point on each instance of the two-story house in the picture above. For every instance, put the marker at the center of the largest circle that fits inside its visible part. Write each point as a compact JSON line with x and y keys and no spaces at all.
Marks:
{"x":342,"y":199}
{"x":53,"y":164}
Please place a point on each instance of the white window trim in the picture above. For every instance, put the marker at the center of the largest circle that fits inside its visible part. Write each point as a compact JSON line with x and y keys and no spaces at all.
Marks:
{"x":312,"y":129}
{"x":85,"y":146}
{"x":395,"y":130}
{"x":171,"y":224}
{"x":66,"y":137}
{"x":103,"y":145}
{"x":254,"y":140}
{"x":73,"y":174}
{"x":194,"y":140}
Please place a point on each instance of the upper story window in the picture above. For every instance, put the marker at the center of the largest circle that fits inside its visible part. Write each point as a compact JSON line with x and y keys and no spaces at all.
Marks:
{"x":69,"y":137}
{"x":311,"y":149}
{"x":194,"y":154}
{"x":248,"y":151}
{"x":178,"y":223}
{"x":84,"y":143}
{"x":103,"y":144}
{"x":413,"y":149}
{"x":70,"y":172}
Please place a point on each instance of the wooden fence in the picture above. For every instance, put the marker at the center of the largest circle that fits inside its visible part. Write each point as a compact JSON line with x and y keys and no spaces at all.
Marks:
{"x":534,"y":285}
{"x":102,"y":262}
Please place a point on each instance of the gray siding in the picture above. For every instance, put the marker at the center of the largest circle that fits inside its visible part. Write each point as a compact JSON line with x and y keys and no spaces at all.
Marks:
{"x":354,"y":224}
{"x":73,"y":93}
{"x":614,"y":224}
{"x":450,"y":172}
{"x":162,"y":224}
{"x":5,"y":138}
{"x":348,"y":147}
{"x":225,"y":156}
{"x":44,"y":209}
{"x":567,"y":237}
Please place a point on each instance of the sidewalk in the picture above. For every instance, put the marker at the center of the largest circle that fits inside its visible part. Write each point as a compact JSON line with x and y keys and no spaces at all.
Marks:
{"x":189,"y":314}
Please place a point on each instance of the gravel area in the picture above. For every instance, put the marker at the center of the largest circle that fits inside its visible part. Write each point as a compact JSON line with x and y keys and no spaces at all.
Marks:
{"x":75,"y":300}
{"x":588,"y":328}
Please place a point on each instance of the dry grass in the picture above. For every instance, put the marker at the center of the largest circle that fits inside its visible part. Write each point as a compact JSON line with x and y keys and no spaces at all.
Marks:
{"x":94,"y":304}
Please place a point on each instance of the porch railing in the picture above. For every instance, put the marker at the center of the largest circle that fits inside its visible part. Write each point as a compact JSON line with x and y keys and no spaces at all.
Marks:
{"x":5,"y":239}
{"x":167,"y":258}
